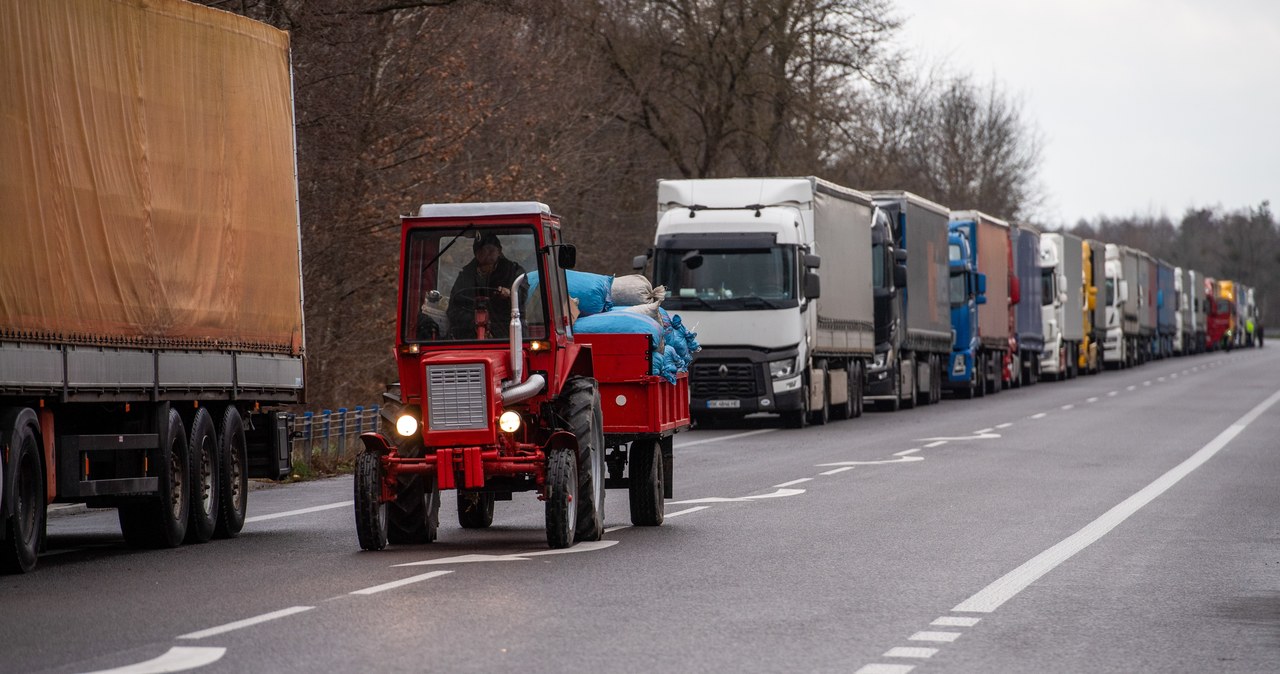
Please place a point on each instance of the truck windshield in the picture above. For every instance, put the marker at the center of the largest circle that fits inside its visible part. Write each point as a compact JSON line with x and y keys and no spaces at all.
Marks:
{"x":1047,"y":294}
{"x":457,"y":284}
{"x":959,"y":293}
{"x":728,"y":280}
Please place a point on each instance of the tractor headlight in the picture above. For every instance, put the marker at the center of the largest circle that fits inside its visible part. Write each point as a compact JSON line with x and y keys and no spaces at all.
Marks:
{"x":406,"y":425}
{"x":509,"y":422}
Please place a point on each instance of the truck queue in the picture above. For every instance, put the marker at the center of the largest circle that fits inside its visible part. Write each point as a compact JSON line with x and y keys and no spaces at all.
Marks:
{"x":811,"y":299}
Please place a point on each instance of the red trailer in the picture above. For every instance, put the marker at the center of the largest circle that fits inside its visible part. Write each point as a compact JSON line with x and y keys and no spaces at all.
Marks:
{"x":498,"y":396}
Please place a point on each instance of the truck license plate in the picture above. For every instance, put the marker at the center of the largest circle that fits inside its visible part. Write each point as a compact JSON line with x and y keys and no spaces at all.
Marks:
{"x":724,"y":404}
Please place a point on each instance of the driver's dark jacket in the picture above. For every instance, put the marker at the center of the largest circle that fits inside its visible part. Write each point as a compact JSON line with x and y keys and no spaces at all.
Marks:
{"x":461,"y":299}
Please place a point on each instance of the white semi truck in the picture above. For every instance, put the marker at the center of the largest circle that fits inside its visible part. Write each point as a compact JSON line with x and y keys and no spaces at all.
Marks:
{"x":1062,"y":284}
{"x":741,"y":259}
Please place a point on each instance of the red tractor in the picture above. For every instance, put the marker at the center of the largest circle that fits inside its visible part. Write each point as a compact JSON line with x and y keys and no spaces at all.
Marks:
{"x":497,"y":394}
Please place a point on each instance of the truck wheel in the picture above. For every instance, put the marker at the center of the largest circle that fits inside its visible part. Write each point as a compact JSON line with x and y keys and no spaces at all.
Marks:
{"x":798,"y":418}
{"x":562,"y":492}
{"x":583,"y":412}
{"x":161,"y":520}
{"x":845,"y":411}
{"x":203,"y":448}
{"x":858,"y":379}
{"x":645,"y":490}
{"x":475,"y":511}
{"x":937,"y":380}
{"x":24,"y":524}
{"x":820,"y":416}
{"x":979,"y":376}
{"x":233,"y":475}
{"x":371,"y":512}
{"x":913,"y":388}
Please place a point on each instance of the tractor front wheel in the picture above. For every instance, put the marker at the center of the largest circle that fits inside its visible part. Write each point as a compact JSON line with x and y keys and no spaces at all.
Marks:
{"x":371,"y":512}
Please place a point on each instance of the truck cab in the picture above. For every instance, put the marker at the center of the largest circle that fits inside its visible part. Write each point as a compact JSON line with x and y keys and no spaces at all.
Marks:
{"x":967,"y":291}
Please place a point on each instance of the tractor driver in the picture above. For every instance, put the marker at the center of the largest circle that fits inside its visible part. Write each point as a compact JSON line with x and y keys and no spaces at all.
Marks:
{"x":488,"y":277}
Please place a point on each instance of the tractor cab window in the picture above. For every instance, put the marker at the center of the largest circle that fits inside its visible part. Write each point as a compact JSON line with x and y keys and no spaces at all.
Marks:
{"x":457,"y":284}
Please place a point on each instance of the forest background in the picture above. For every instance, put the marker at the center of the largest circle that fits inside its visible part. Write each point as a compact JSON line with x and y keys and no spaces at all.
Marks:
{"x":584,"y":104}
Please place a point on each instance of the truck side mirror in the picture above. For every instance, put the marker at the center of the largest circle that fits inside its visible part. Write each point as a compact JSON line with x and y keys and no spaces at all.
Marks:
{"x":900,"y":255}
{"x":638,"y":262}
{"x":900,"y":275}
{"x":980,"y":299}
{"x":1124,"y":291}
{"x":812,"y":261}
{"x":812,"y":286}
{"x":567,"y":256}
{"x":981,"y":284}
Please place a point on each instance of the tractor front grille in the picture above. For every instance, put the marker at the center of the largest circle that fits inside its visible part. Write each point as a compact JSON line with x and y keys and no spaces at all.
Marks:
{"x":456,"y":397}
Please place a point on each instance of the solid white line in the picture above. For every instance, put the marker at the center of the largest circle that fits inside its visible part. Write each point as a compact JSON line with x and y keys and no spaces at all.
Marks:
{"x":792,"y":483}
{"x":686,"y":511}
{"x":985,"y":430}
{"x":617,"y":528}
{"x":909,"y":652}
{"x":247,"y":622}
{"x":1091,"y":400}
{"x":1065,"y":407}
{"x":303,"y":511}
{"x":837,"y":470}
{"x":1004,"y":425}
{"x":955,"y":621}
{"x":946,"y":637}
{"x":1004,"y":589}
{"x":726,"y":437}
{"x":1040,"y":415}
{"x":906,"y":452}
{"x":177,"y":659}
{"x":400,"y":583}
{"x":1130,"y":388}
{"x":935,"y":444}
{"x":885,"y":669}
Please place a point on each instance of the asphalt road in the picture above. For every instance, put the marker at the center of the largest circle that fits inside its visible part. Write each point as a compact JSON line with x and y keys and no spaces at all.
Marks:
{"x":1120,"y":523}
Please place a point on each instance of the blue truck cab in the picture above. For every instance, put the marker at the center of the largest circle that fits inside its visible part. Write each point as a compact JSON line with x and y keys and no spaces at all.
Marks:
{"x":967,"y":290}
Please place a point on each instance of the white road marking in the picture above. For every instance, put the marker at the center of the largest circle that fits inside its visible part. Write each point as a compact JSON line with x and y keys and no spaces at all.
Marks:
{"x":726,"y":437}
{"x":1112,"y":394}
{"x":945,"y":637}
{"x":1174,"y":375}
{"x":1130,"y":388}
{"x":1091,"y":400}
{"x":881,"y":462}
{"x":1005,"y":588}
{"x":909,"y":652}
{"x":247,"y":622}
{"x":939,"y":443}
{"x":401,"y":583}
{"x":617,"y":528}
{"x":740,"y":499}
{"x":792,"y":483}
{"x":984,"y":436}
{"x":955,"y":621}
{"x":1040,"y":415}
{"x":1004,"y":425}
{"x":1146,"y":383}
{"x":885,"y":669}
{"x":1064,"y":407}
{"x":905,"y":452}
{"x":303,"y":511}
{"x":686,"y":511}
{"x":587,"y":546}
{"x":1159,"y":378}
{"x":837,"y":470}
{"x":985,"y":430}
{"x":178,"y":659}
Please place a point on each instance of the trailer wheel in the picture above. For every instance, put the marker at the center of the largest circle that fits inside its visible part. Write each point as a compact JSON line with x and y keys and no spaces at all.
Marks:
{"x":980,"y":376}
{"x":913,"y":389}
{"x":371,"y":512}
{"x":233,"y":475}
{"x":23,"y":523}
{"x":846,"y":410}
{"x":475,"y":511}
{"x":204,"y":472}
{"x":562,"y":492}
{"x":937,"y":379}
{"x":585,"y":418}
{"x":646,"y":488}
{"x":858,"y":382}
{"x":161,"y":521}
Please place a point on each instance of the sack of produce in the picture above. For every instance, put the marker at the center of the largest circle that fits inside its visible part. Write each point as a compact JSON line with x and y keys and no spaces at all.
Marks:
{"x":635,"y":289}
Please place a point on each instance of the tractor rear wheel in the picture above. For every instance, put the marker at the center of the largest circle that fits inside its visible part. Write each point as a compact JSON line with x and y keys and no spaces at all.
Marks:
{"x":646,"y":488}
{"x":371,"y":512}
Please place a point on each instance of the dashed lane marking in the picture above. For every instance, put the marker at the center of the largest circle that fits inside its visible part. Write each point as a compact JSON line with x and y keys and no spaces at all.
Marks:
{"x":907,"y":452}
{"x":1130,"y":388}
{"x":1112,"y":394}
{"x":1064,"y":407}
{"x":938,"y":443}
{"x":1040,"y":415}
{"x":955,"y":621}
{"x":402,"y":582}
{"x":885,"y":669}
{"x":943,"y":637}
{"x":586,"y":546}
{"x":302,"y":511}
{"x":1004,"y":425}
{"x":792,"y":483}
{"x":247,"y":622}
{"x":740,"y":499}
{"x":983,"y":431}
{"x":837,"y":470}
{"x":722,"y":438}
{"x":1091,"y":400}
{"x":177,"y":659}
{"x":881,"y":462}
{"x":909,"y":652}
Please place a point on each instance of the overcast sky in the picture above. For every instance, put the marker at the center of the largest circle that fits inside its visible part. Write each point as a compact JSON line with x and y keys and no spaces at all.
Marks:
{"x":1145,"y":106}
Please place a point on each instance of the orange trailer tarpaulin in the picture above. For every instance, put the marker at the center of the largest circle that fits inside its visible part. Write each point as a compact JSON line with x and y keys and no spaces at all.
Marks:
{"x":147,"y":195}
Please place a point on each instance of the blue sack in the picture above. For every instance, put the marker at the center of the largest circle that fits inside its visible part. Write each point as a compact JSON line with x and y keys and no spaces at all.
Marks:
{"x":593,"y":291}
{"x":621,"y":323}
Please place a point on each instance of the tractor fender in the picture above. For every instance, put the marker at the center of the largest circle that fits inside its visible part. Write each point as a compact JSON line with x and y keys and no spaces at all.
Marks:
{"x":376,"y":444}
{"x":561,"y":440}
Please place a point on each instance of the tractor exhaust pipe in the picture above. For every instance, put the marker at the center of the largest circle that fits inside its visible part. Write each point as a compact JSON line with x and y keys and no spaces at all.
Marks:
{"x":520,"y":389}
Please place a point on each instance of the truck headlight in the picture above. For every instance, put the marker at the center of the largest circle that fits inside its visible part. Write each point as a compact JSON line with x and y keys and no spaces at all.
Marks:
{"x":509,"y":422}
{"x":781,"y":369}
{"x":406,"y":425}
{"x":878,"y":360}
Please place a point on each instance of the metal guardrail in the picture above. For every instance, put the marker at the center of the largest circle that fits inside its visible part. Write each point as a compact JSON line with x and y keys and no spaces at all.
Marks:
{"x":330,"y":436}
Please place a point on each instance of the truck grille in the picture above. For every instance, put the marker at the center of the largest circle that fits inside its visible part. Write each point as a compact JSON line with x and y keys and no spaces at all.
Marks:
{"x":456,"y":397}
{"x":738,"y":379}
